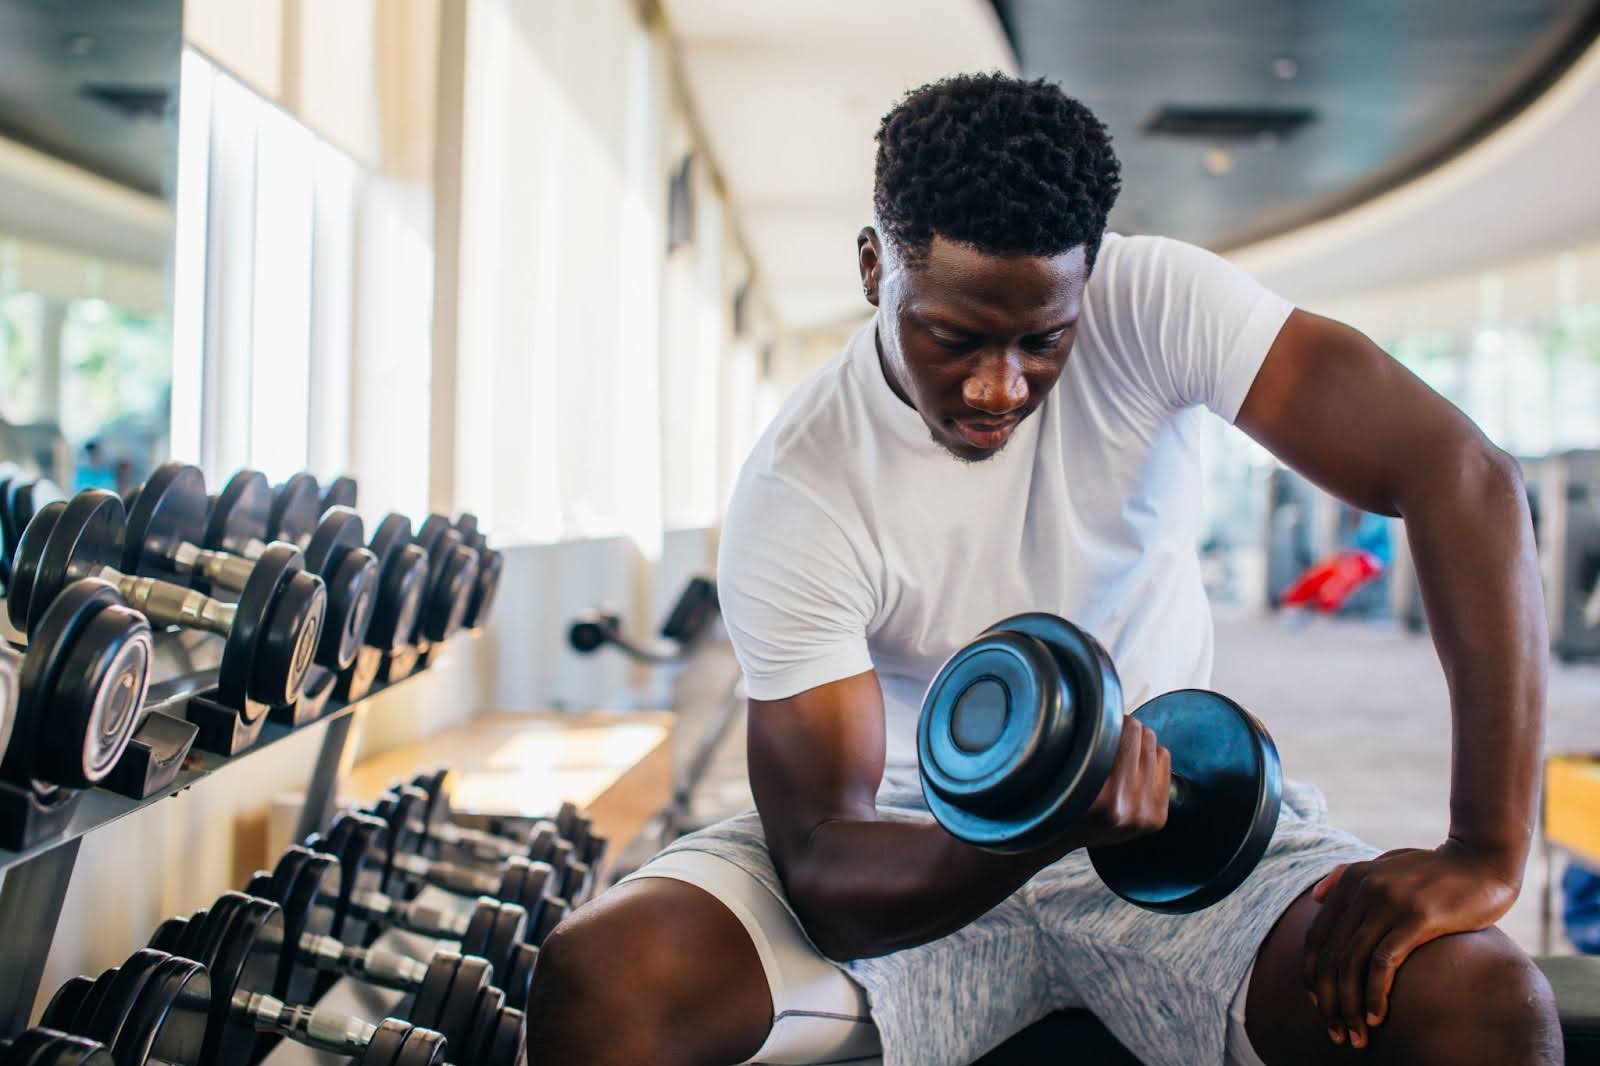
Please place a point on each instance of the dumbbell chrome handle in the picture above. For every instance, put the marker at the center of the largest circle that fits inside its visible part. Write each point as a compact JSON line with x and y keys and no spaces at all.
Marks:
{"x":220,"y":568}
{"x":172,"y":605}
{"x":412,"y":917}
{"x":316,"y":1027}
{"x":452,"y":877}
{"x":375,"y":965}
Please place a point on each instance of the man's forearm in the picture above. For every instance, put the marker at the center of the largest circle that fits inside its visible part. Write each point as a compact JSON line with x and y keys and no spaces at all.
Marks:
{"x":1472,"y":539}
{"x":870,"y":887}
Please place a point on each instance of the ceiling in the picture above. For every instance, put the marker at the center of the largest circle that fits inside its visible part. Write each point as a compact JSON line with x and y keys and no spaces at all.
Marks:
{"x":1391,"y":90}
{"x":93,"y":82}
{"x":789,"y":96}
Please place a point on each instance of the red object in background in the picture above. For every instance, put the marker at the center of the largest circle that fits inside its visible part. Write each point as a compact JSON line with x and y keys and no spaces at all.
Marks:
{"x":1328,"y":584}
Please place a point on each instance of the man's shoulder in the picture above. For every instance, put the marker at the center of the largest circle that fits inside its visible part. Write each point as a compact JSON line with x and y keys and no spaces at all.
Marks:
{"x":815,"y":430}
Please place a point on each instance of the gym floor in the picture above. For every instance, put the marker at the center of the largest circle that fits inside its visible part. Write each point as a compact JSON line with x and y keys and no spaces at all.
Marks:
{"x":1357,"y":708}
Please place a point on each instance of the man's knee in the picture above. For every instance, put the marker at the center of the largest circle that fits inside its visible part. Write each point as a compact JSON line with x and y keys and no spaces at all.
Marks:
{"x":1469,"y":998}
{"x":653,"y":971}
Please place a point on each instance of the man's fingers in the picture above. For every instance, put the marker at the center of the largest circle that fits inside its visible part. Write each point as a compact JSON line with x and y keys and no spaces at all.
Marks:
{"x":1351,"y":910}
{"x":1384,"y":962}
{"x":1355,"y":946}
{"x":1320,"y":891}
{"x":1317,"y":933}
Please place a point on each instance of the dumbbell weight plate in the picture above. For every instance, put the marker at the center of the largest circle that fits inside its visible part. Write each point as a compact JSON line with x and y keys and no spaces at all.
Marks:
{"x":352,"y":596}
{"x":516,"y":980}
{"x":27,"y":500}
{"x":507,"y":1042}
{"x":89,"y":715}
{"x":244,"y":936}
{"x":1018,"y":731}
{"x":106,"y":1009}
{"x":289,"y":643}
{"x":447,"y":999}
{"x":1213,"y":839}
{"x":423,"y":1047}
{"x":86,"y":536}
{"x":88,"y":668}
{"x":50,"y":1047}
{"x":274,"y":632}
{"x":62,"y":1012}
{"x":170,"y":511}
{"x":509,"y":932}
{"x":490,"y":564}
{"x":241,"y":515}
{"x":351,"y":840}
{"x":25,"y":565}
{"x":168,"y":1021}
{"x":296,"y":507}
{"x":384,"y":1048}
{"x":313,"y":878}
{"x":485,"y":1013}
{"x":340,"y":492}
{"x":392,"y":532}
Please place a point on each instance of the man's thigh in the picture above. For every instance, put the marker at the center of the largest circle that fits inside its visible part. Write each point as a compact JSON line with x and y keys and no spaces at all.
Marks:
{"x":1165,"y":984}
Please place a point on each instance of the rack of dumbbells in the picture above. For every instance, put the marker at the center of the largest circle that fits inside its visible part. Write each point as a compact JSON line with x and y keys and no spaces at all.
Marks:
{"x":154,"y":640}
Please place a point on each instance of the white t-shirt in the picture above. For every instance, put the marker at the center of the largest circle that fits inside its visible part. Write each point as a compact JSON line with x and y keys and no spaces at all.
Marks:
{"x":853,"y":542}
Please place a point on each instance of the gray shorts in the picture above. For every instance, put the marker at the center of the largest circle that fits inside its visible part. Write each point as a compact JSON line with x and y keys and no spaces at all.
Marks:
{"x":1170,"y":987}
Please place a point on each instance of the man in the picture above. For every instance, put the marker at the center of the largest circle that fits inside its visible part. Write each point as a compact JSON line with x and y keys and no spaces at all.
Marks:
{"x":1016,"y":429}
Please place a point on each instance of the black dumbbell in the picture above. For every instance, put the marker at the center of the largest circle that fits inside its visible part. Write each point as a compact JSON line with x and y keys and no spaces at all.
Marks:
{"x":160,"y":1009}
{"x":567,"y":842}
{"x":531,"y":885}
{"x":452,"y":569}
{"x":340,"y":492}
{"x":308,"y":885}
{"x":489,"y":931}
{"x":241,"y":938}
{"x":69,"y":706}
{"x":171,"y":537}
{"x":490,"y":565}
{"x":271,"y":633}
{"x":405,"y":810}
{"x":20,"y":499}
{"x":50,"y":1047}
{"x":1019,"y":732}
{"x":443,"y":603}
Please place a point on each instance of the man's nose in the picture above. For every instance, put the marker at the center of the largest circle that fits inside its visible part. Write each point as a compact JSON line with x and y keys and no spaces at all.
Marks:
{"x":997,"y":387}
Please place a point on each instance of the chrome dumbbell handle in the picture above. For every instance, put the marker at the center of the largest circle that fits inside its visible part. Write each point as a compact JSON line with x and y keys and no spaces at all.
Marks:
{"x":316,"y":1027}
{"x":168,"y":604}
{"x":375,"y":965}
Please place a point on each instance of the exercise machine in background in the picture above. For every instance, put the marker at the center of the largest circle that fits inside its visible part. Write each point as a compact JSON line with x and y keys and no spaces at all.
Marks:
{"x":690,"y":643}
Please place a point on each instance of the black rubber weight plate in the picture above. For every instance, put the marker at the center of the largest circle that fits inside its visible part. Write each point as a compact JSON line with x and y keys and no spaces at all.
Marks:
{"x":352,"y":595}
{"x":384,"y":1049}
{"x":288,"y":644}
{"x":340,"y":527}
{"x":296,"y":506}
{"x":460,"y":1006}
{"x":170,"y":511}
{"x":428,"y":1007}
{"x":509,"y":931}
{"x":517,"y":980}
{"x":241,"y":513}
{"x":99,"y":692}
{"x":25,"y":566}
{"x":168,"y":1023}
{"x":85,"y":538}
{"x":340,"y":492}
{"x":237,"y":676}
{"x":392,"y":533}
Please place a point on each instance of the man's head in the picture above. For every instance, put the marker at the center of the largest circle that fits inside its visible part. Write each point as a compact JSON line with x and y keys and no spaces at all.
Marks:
{"x":989,"y":205}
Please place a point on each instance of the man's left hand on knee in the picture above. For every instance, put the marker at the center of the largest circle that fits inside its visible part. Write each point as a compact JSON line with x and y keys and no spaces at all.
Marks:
{"x":1373,"y":915}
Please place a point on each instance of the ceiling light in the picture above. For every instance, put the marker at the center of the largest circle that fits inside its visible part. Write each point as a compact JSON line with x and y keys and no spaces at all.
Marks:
{"x":1284,"y":68}
{"x":1218,"y":162}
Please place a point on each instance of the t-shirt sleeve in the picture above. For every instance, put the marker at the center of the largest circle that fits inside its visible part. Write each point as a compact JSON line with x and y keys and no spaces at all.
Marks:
{"x":795,"y":598}
{"x":1200,"y":326}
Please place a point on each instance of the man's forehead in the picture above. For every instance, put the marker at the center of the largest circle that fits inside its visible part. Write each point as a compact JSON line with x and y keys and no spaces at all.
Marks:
{"x":962,"y":280}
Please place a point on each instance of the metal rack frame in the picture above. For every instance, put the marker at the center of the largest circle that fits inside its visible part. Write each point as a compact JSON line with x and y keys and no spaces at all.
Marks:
{"x":34,"y":882}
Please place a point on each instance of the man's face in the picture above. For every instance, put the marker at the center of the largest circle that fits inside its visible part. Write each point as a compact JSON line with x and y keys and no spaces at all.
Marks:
{"x":973,"y":341}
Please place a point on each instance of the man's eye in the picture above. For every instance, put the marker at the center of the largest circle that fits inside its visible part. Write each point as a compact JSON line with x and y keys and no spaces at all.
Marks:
{"x":1044,"y":343}
{"x":953,"y":344}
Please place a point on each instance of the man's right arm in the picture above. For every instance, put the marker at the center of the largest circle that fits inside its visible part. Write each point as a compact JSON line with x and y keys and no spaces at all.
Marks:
{"x":865,"y":886}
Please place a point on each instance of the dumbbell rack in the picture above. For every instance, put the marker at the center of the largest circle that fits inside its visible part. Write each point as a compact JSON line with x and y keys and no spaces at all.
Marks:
{"x":34,"y":881}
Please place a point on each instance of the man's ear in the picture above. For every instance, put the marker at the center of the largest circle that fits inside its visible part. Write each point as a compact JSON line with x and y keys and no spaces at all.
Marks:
{"x":869,"y":257}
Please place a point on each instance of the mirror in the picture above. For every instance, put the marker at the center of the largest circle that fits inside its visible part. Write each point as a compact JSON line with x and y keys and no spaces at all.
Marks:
{"x":88,"y":147}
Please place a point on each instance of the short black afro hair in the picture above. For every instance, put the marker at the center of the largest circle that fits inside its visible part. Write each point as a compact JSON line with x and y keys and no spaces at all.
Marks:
{"x":1011,"y":167}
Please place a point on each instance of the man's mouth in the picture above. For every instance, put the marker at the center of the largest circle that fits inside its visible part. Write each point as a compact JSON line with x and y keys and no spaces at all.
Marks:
{"x":986,"y":433}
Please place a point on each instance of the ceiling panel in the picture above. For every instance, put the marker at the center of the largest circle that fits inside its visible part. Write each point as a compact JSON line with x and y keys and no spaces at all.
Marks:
{"x":1393,"y":89}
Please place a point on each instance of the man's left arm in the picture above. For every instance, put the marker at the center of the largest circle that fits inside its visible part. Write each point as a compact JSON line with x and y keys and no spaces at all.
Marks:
{"x":1335,"y":407}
